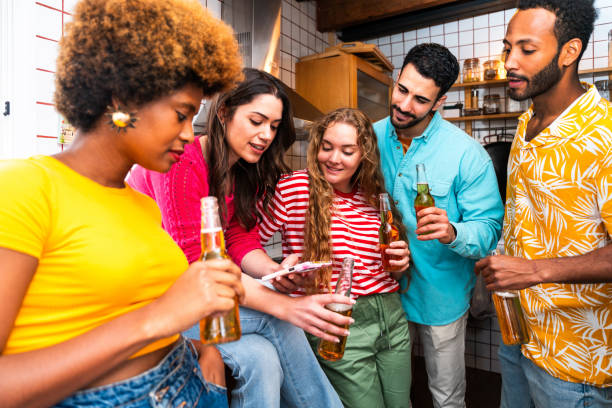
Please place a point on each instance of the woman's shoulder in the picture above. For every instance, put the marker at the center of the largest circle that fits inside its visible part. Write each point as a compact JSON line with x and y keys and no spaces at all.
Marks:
{"x":297,"y":177}
{"x":26,"y":173}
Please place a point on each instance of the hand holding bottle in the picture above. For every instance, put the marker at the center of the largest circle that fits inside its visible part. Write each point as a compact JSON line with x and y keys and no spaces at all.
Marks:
{"x":505,"y":272}
{"x":399,"y":256}
{"x":334,"y":351}
{"x":204,"y":289}
{"x":512,"y":322}
{"x":388,"y":234}
{"x":313,"y":314}
{"x":433,"y":223}
{"x":221,"y":328}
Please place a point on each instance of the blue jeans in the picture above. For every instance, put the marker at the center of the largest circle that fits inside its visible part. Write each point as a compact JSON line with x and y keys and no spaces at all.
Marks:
{"x":176,"y":381}
{"x":274,"y":365}
{"x":525,"y":385}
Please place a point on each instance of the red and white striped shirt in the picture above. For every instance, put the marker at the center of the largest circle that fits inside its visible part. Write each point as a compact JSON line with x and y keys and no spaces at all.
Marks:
{"x":354,"y":231}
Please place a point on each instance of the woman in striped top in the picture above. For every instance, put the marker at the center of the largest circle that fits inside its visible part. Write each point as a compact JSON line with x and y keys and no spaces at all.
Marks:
{"x":329,"y":211}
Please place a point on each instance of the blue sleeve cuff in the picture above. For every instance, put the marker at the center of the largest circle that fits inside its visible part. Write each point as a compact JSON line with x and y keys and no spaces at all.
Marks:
{"x":459,"y":242}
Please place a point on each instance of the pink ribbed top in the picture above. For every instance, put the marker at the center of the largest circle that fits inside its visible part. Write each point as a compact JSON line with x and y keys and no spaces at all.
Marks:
{"x":178,"y":193}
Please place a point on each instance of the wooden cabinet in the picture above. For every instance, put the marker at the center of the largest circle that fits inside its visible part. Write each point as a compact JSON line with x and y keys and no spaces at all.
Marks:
{"x":344,"y":80}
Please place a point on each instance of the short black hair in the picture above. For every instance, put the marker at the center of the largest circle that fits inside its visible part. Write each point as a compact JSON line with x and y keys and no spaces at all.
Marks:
{"x":436,"y":62}
{"x":575,"y":18}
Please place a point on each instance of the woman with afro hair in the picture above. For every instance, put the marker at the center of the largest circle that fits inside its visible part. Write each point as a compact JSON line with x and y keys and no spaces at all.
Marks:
{"x":95,"y":293}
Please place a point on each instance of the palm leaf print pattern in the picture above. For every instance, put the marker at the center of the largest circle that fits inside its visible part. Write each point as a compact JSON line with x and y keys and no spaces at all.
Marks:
{"x":560,"y":204}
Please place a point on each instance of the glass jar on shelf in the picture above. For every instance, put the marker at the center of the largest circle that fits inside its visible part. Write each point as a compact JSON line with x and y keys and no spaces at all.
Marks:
{"x":471,"y":70}
{"x":491,"y":69}
{"x":491,"y":104}
{"x":603,"y":87}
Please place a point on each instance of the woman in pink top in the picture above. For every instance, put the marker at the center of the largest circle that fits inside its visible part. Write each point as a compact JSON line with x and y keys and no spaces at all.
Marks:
{"x":240,"y":161}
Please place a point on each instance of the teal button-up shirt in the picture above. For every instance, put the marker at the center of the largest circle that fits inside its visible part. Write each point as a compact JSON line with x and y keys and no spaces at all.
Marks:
{"x":462,"y":181}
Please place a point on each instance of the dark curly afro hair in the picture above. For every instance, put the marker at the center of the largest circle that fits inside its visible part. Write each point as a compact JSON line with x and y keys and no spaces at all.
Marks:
{"x":135,"y":51}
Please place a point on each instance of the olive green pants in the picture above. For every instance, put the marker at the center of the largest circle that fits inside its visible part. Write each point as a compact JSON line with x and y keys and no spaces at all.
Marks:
{"x":375,"y":370}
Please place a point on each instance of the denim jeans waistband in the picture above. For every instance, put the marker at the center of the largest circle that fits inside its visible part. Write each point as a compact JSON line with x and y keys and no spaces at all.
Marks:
{"x":159,"y":384}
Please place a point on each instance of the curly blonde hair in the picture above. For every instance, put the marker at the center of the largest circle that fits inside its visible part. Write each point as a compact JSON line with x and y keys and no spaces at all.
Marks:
{"x":368,"y":177}
{"x":135,"y":51}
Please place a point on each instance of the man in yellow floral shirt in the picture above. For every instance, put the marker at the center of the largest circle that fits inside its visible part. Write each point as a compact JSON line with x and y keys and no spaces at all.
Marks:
{"x":558,"y":216}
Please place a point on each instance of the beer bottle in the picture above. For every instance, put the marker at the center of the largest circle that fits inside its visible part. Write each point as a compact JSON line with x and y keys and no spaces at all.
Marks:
{"x":387,"y":232}
{"x":512,"y":322}
{"x":226,"y":328}
{"x":423,"y":198}
{"x":329,"y":350}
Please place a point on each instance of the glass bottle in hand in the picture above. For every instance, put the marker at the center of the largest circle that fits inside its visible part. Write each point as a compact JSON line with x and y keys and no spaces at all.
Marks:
{"x":226,"y":328}
{"x":387,"y":232}
{"x":327,"y":349}
{"x":423,"y":198}
{"x":512,"y":323}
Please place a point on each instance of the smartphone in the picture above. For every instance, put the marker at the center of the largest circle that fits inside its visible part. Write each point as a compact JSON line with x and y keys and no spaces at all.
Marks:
{"x":298,"y":268}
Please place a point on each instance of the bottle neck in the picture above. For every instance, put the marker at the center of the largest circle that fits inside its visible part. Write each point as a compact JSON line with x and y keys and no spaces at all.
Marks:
{"x":384,"y":203}
{"x":345,"y":279}
{"x":421,"y":175}
{"x":211,"y":219}
{"x":211,"y":233}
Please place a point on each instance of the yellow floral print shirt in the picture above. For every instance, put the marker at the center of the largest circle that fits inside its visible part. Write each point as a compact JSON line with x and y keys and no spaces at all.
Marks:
{"x":560,"y":204}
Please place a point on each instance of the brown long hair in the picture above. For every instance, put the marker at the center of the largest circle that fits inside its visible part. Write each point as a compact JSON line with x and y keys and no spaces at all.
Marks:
{"x":368,"y":177}
{"x":252,"y":181}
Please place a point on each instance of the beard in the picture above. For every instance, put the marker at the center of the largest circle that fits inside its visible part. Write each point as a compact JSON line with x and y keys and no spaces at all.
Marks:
{"x":539,"y":83}
{"x":415,"y":120}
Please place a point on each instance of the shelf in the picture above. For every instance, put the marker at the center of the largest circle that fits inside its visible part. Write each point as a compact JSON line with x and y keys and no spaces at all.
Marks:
{"x":595,"y":71}
{"x":508,"y":115}
{"x":494,"y":82}
{"x":491,"y":82}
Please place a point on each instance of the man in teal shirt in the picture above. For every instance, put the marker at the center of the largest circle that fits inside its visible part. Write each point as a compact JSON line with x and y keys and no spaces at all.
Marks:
{"x":448,"y":239}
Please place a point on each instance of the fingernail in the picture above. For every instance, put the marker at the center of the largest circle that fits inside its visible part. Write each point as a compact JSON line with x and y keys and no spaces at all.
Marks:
{"x":351,"y":321}
{"x":346,"y":333}
{"x":353,"y":301}
{"x":336,"y":340}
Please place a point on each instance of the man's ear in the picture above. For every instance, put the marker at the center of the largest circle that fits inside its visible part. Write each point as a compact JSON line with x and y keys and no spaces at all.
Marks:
{"x":439,"y":103}
{"x":570,"y":52}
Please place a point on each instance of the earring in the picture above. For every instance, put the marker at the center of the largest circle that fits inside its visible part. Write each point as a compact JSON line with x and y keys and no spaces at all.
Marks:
{"x":119,"y":119}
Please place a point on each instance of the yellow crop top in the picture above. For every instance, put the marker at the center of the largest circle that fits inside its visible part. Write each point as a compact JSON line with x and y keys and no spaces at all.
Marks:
{"x":102,"y":251}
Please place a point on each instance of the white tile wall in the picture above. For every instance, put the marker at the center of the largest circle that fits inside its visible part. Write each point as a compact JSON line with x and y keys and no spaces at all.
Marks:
{"x":38,"y":31}
{"x":299,"y":36}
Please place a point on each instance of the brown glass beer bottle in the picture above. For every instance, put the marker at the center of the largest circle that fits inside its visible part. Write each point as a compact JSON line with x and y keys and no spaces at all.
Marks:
{"x":329,"y":350}
{"x":512,"y":322}
{"x":387,"y":232}
{"x":224,"y":328}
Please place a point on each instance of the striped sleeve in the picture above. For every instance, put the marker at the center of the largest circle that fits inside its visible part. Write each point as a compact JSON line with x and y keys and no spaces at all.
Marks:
{"x":270,"y":223}
{"x":354,"y":231}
